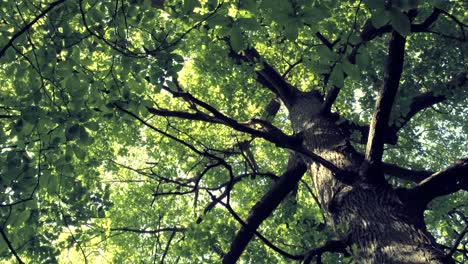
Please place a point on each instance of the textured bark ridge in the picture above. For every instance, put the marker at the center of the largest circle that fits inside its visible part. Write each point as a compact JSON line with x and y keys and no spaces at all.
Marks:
{"x":382,"y":224}
{"x":383,"y":228}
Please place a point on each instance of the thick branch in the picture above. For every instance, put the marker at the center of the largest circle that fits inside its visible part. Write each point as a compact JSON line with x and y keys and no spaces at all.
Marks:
{"x":330,"y":100}
{"x":268,"y":132}
{"x":268,"y":76}
{"x":418,"y":104}
{"x":398,"y":172}
{"x":271,"y":110}
{"x":405,"y":174}
{"x":427,"y":22}
{"x":350,"y":127}
{"x":383,"y":107}
{"x":450,"y":180}
{"x":265,"y":207}
{"x":369,"y":32}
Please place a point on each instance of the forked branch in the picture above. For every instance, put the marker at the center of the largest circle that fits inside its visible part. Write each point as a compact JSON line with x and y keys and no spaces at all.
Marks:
{"x":418,"y":104}
{"x":405,"y":174}
{"x":458,"y":240}
{"x":375,"y":144}
{"x":268,"y":131}
{"x":267,"y":76}
{"x":263,"y":208}
{"x":338,"y":246}
{"x":426,"y":100}
{"x":450,"y":180}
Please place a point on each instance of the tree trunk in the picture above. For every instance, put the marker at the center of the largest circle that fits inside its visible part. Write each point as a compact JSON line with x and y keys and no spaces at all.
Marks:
{"x":382,"y":226}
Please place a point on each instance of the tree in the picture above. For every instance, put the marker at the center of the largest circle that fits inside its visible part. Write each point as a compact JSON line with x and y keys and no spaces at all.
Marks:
{"x":206,"y":131}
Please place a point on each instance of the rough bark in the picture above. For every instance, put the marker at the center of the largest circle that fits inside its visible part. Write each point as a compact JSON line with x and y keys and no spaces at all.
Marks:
{"x":383,"y":227}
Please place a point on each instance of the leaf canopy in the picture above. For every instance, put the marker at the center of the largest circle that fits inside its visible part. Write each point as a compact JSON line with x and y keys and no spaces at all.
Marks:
{"x":89,"y":172}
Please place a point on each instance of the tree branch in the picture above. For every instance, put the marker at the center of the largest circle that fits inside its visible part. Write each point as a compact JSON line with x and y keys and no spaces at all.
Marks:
{"x":458,"y":241}
{"x":167,"y":246}
{"x":324,"y":40}
{"x":270,"y":132}
{"x":260,"y":236}
{"x":338,"y":246}
{"x":418,"y":104}
{"x":450,"y":180}
{"x":29,"y":25}
{"x":265,"y":207}
{"x":199,"y":116}
{"x":405,"y":174}
{"x":427,"y":100}
{"x":333,"y":93}
{"x":393,"y":68}
{"x":427,"y":22}
{"x":291,"y":67}
{"x":267,"y":76}
{"x":145,"y":231}
{"x":369,"y":32}
{"x":330,"y":100}
{"x":10,"y":246}
{"x":350,"y":127}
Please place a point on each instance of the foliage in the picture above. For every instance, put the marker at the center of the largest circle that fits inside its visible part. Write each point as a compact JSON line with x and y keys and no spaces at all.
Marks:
{"x":88,"y":172}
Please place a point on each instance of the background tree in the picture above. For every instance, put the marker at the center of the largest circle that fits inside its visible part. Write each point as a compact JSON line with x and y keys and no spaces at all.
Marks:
{"x":207,"y":131}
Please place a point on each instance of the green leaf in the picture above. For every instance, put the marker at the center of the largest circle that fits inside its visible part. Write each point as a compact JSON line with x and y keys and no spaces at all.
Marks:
{"x":92,"y":125}
{"x":23,"y":216}
{"x":189,"y":5}
{"x":237,"y":39}
{"x":362,"y":57}
{"x":441,"y":4}
{"x":53,"y":184}
{"x":84,"y":137}
{"x":313,"y":15}
{"x":68,"y":154}
{"x":44,"y":179}
{"x":400,"y":22}
{"x":31,"y":114}
{"x":248,"y":4}
{"x":374,"y":4}
{"x":326,"y":54}
{"x":380,"y":18}
{"x":73,"y":132}
{"x":291,"y":31}
{"x":218,"y":20}
{"x":351,"y":70}
{"x":337,"y":76}
{"x":79,"y":153}
{"x":406,"y":5}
